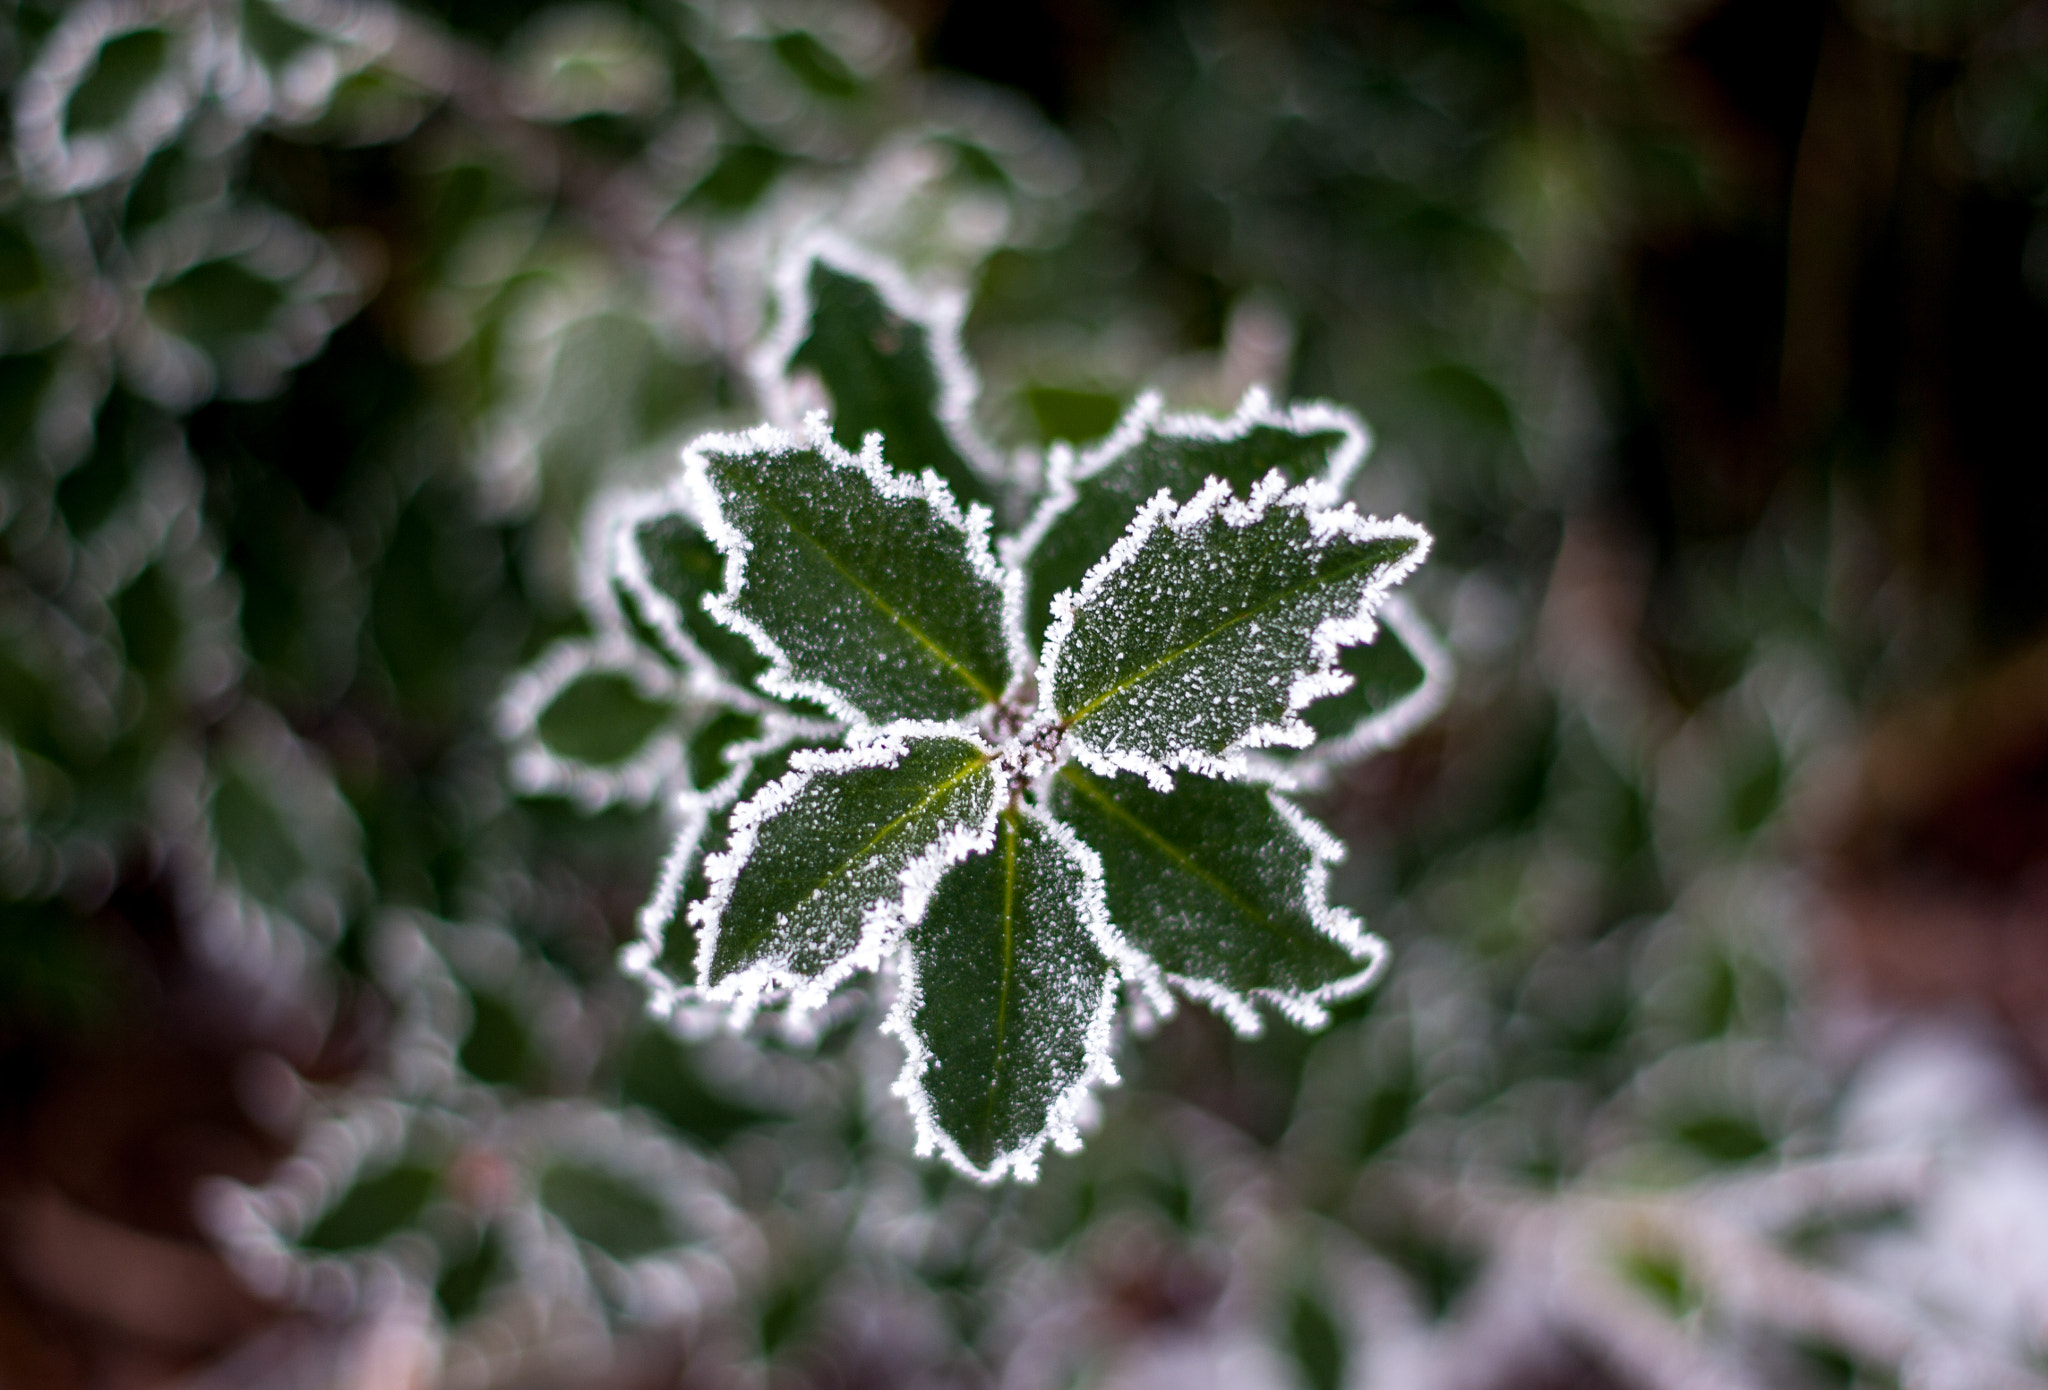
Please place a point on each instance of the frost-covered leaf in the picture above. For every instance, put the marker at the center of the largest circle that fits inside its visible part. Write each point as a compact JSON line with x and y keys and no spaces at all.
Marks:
{"x":1007,"y":1000}
{"x":868,"y":591}
{"x":667,"y":950}
{"x":828,"y":863}
{"x":666,"y":566}
{"x":598,"y":722}
{"x":231,"y":300}
{"x":112,"y":82}
{"x":889,"y":363}
{"x":1211,"y":624}
{"x":1400,"y":681}
{"x":1091,"y":499}
{"x":1223,"y":887}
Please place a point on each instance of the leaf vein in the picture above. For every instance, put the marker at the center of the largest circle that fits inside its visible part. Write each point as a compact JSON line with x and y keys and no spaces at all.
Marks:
{"x":979,"y":686}
{"x":1172,"y":851}
{"x":1177,"y":653}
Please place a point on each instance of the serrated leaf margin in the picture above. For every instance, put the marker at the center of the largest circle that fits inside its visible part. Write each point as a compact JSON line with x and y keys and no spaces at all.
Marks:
{"x":883,"y":924}
{"x":973,"y":523}
{"x":1216,"y":501}
{"x":614,"y":554}
{"x":1067,"y":1113}
{"x":1318,"y":765}
{"x":692,"y":811}
{"x":1305,"y":1009}
{"x":939,"y":313}
{"x":1147,"y":418}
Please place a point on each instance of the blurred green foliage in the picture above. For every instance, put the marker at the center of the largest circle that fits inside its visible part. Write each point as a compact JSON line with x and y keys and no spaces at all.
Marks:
{"x":1703,"y":335}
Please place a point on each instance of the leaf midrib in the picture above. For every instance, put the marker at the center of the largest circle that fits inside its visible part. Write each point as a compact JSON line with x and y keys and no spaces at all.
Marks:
{"x":1173,"y":852}
{"x":975,"y":682}
{"x":995,"y":1075}
{"x":891,"y":828}
{"x":1330,"y":577}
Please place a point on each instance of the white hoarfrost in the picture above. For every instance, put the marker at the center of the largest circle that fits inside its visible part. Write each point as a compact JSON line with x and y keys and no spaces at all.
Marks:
{"x":1313,"y":770}
{"x":59,"y":161}
{"x":1147,"y":419}
{"x":1306,"y":1009}
{"x":1073,"y":1107}
{"x":693,"y":810}
{"x":770,"y":442}
{"x":1215,"y":505}
{"x":938,"y":313}
{"x":883,"y":920}
{"x":638,"y":778}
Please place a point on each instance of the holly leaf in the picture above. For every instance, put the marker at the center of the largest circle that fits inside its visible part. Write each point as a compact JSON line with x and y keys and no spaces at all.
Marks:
{"x":891,"y":362}
{"x":665,"y":566}
{"x":1210,"y":625}
{"x":1090,"y":499}
{"x":1006,"y":1000}
{"x":1400,"y":681}
{"x":1222,"y":887}
{"x":827,"y":864}
{"x":867,"y":591}
{"x":597,"y":721}
{"x":665,"y":956}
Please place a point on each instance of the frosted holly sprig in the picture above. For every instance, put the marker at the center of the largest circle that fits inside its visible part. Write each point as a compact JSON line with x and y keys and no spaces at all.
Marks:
{"x":1054,"y":763}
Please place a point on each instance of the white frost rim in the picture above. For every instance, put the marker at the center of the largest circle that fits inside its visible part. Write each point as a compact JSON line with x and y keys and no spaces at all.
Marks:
{"x":1306,"y":1009}
{"x":1315,"y":768}
{"x":1147,"y":418}
{"x":537,"y":770}
{"x":61,"y":164}
{"x":612,"y":554}
{"x":765,"y":440}
{"x":883,"y":921}
{"x":1214,"y":503}
{"x":694,"y":811}
{"x":938,"y":313}
{"x":1072,"y":1107}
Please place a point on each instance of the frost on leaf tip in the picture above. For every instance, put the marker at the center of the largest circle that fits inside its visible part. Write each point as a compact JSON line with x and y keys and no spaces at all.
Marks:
{"x":1400,"y":681}
{"x":1006,"y":1001}
{"x":664,"y":957}
{"x":867,"y":591}
{"x":1210,"y":625}
{"x":825,"y":866}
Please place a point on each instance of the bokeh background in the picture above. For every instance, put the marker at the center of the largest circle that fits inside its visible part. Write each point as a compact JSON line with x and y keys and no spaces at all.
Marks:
{"x":1709,"y":337}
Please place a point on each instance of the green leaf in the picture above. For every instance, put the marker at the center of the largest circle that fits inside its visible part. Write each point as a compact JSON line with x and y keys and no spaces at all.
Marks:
{"x":1090,"y":500}
{"x":605,"y":1209}
{"x":1223,"y":889}
{"x":376,"y":1207}
{"x":666,"y":954}
{"x":867,"y":591}
{"x":597,"y":721}
{"x":1007,"y":1000}
{"x":1400,"y":681}
{"x":826,"y":865}
{"x":891,"y":365}
{"x":1211,"y":624}
{"x":125,"y":67}
{"x":667,"y":566}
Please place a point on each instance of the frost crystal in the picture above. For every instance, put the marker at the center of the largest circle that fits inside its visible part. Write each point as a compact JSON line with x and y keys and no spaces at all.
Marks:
{"x":1023,"y":783}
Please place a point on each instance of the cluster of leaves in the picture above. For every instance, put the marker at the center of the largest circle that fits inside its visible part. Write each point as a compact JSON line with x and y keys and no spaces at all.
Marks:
{"x":259,"y":562}
{"x":1022,"y":783}
{"x":264,"y":567}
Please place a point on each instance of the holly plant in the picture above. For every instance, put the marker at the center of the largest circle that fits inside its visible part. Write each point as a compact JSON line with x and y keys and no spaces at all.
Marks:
{"x":1018,"y":774}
